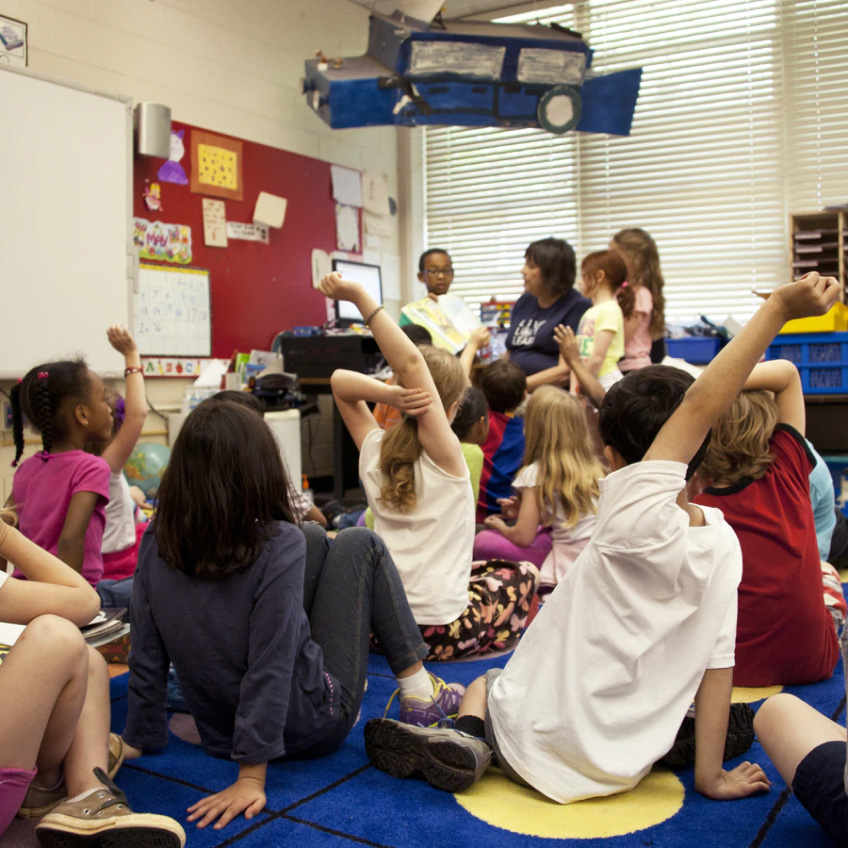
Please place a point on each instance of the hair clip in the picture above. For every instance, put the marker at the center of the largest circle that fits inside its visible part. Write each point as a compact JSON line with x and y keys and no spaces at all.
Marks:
{"x":43,"y":375}
{"x":624,"y":284}
{"x":20,"y":379}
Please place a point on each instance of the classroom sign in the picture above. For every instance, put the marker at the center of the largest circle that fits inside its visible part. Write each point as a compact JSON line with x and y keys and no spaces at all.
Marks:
{"x":163,"y":242}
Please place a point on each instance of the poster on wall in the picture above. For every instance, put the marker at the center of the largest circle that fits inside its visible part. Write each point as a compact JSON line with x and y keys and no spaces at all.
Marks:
{"x":214,"y":223}
{"x":161,"y":241}
{"x":13,"y":42}
{"x":216,"y":166}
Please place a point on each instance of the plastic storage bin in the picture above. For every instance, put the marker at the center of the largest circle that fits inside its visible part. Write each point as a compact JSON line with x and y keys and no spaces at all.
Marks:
{"x":698,"y":350}
{"x":834,"y":320}
{"x":822,"y":359}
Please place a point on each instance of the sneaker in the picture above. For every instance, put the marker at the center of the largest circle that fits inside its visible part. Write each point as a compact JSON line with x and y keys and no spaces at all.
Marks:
{"x":39,"y":801}
{"x":104,"y":818}
{"x":441,"y":706}
{"x":448,"y":759}
{"x":740,"y":737}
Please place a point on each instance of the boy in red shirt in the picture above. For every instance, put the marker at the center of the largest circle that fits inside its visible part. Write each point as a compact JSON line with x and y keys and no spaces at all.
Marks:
{"x":757,"y":472}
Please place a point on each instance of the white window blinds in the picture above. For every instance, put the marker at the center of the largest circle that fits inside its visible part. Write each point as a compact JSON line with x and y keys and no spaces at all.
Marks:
{"x":737,"y":125}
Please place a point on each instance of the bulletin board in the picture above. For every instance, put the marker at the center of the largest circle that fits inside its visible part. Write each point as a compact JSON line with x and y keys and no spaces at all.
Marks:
{"x":256,"y":289}
{"x":172,"y":314}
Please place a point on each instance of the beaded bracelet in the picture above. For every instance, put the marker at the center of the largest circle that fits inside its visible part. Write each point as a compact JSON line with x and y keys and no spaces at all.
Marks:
{"x":368,"y":319}
{"x":134,"y":370}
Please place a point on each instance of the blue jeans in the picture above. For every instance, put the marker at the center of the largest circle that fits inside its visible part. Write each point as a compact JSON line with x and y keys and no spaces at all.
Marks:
{"x":351,"y":588}
{"x":115,"y":593}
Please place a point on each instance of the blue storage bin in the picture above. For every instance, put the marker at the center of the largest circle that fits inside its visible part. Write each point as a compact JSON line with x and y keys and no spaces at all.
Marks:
{"x":822,"y":359}
{"x":699,"y":350}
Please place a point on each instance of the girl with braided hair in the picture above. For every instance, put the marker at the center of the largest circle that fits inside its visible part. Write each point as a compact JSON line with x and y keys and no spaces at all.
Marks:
{"x":60,"y":494}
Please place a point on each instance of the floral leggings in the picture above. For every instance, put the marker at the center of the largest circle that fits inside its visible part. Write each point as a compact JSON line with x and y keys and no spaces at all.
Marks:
{"x":500,"y":595}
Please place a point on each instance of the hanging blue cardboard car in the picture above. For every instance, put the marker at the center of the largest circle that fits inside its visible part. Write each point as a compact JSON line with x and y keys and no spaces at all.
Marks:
{"x":471,"y":74}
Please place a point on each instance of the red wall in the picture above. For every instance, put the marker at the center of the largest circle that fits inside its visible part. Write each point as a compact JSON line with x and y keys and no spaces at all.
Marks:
{"x":257,"y":289}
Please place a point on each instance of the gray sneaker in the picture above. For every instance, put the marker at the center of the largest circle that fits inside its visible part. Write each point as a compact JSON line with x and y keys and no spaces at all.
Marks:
{"x":448,"y":759}
{"x":104,"y":819}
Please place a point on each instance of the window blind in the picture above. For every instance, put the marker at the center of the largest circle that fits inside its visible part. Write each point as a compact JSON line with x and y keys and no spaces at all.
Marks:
{"x":737,"y":125}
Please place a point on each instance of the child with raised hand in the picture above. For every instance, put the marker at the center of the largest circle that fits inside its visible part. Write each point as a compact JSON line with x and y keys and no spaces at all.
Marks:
{"x":120,"y":539}
{"x":54,"y":737}
{"x":418,"y":487}
{"x":644,"y":621}
{"x":569,"y":350}
{"x":757,"y":472}
{"x":62,"y":491}
{"x":267,"y":626}
{"x":600,"y":333}
{"x":557,"y":488}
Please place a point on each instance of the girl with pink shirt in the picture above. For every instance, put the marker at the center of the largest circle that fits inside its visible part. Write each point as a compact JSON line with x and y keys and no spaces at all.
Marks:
{"x":641,"y":299}
{"x":60,"y":494}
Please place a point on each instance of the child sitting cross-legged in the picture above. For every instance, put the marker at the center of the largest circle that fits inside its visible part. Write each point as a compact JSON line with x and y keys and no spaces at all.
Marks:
{"x":558,"y":487}
{"x":643,"y":622}
{"x":266,"y":624}
{"x":418,"y":487}
{"x":757,"y":470}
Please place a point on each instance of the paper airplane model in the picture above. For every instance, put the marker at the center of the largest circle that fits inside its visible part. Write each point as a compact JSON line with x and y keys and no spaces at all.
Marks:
{"x":471,"y":74}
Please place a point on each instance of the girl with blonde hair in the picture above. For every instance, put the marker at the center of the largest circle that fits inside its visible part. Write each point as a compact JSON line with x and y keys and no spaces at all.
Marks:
{"x":418,"y":486}
{"x":557,"y":488}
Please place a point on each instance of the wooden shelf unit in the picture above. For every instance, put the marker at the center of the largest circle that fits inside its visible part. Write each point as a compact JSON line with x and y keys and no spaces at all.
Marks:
{"x":818,"y":241}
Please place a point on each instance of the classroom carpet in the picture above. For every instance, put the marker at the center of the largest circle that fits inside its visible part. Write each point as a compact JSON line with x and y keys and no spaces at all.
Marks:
{"x":341,"y":801}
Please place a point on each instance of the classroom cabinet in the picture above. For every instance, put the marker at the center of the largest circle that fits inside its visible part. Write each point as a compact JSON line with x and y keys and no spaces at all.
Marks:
{"x":818,"y":242}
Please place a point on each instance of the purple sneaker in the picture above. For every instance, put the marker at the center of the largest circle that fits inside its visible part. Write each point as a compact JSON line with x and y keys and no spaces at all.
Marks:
{"x":443,"y":704}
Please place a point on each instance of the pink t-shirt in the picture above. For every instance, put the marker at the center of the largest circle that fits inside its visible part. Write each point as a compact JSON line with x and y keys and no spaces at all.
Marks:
{"x":637,"y":352}
{"x":43,"y":492}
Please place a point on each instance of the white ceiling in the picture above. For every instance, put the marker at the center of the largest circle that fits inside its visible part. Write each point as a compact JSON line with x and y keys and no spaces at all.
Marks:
{"x":464,"y":8}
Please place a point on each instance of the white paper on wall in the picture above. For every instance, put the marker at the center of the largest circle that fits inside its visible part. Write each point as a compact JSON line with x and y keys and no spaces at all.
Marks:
{"x":347,"y":185}
{"x":375,"y":192}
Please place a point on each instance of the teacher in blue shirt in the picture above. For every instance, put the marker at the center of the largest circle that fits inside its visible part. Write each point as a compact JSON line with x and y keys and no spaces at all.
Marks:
{"x":549,"y":299}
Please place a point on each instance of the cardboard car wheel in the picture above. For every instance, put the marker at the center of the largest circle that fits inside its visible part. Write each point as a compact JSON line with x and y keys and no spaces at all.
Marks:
{"x":559,"y":109}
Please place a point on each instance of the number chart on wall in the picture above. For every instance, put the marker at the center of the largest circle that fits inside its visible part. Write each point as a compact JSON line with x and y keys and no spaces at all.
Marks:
{"x":172,"y":315}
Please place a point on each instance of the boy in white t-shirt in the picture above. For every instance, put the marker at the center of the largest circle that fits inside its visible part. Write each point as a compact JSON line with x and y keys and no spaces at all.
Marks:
{"x":644,"y":621}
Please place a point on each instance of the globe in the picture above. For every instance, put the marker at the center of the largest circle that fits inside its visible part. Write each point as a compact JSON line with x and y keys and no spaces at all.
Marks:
{"x":145,"y":466}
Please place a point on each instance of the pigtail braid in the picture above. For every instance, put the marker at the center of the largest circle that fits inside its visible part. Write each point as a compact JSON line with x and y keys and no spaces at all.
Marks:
{"x":17,"y":423}
{"x":43,"y":412}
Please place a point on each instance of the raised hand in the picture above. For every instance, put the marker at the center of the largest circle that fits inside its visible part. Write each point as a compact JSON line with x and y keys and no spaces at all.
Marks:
{"x":812,"y":295}
{"x":567,"y":341}
{"x":412,"y":402}
{"x":335,"y":287}
{"x":121,"y":339}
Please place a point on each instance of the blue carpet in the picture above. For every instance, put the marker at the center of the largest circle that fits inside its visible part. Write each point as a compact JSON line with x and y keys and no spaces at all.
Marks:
{"x":342,"y":801}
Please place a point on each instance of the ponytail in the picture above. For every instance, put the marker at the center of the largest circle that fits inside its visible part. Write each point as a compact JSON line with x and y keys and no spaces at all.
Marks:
{"x":17,"y":422}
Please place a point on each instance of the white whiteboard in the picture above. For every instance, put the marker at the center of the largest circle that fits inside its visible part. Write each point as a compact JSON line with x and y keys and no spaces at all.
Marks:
{"x":66,"y":255}
{"x":172,"y":313}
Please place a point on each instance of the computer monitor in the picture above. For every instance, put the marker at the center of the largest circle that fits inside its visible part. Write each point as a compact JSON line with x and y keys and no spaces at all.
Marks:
{"x":359,"y":272}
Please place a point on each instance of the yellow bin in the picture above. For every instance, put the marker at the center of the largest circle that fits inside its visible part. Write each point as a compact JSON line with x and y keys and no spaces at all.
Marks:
{"x":835,"y":320}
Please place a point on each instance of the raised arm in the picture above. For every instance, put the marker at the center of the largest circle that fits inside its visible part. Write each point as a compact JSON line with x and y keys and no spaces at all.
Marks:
{"x":118,"y":451}
{"x":781,"y":377}
{"x":569,"y":350}
{"x":479,"y":339}
{"x":713,"y":392}
{"x":51,"y":587}
{"x":434,"y":431}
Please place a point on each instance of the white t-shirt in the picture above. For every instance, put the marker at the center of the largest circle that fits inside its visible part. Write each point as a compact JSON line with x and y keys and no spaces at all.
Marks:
{"x":600,"y":683}
{"x":568,"y":542}
{"x":431,"y":545}
{"x":119,"y":533}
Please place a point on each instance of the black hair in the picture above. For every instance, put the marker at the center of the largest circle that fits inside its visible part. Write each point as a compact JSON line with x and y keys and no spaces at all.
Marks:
{"x":472,"y":408}
{"x":43,"y":396}
{"x":423,"y":258}
{"x":504,"y":384}
{"x":417,"y":334}
{"x":247,"y":399}
{"x":222,"y":490}
{"x":556,"y":260}
{"x":635,"y":409}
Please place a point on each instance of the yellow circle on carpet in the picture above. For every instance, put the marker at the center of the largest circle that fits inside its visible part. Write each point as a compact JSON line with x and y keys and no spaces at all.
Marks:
{"x":502,"y":803}
{"x":752,"y":694}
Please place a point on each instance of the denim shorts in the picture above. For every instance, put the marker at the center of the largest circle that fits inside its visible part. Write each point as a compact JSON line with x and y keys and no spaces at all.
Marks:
{"x":819,"y":785}
{"x":491,"y":676}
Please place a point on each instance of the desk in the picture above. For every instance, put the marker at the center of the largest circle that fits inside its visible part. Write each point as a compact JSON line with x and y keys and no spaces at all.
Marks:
{"x":827,"y":422}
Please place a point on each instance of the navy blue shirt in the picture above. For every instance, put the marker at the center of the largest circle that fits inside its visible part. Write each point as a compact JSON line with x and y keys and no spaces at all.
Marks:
{"x":530,"y":341}
{"x":251,"y":674}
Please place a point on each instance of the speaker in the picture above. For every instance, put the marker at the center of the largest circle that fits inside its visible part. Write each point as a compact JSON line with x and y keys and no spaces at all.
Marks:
{"x":153,"y":130}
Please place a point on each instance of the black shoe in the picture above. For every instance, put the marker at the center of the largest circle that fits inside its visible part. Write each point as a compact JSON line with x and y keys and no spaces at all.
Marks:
{"x":740,"y":737}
